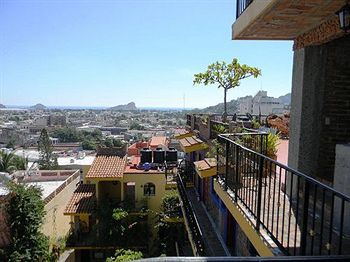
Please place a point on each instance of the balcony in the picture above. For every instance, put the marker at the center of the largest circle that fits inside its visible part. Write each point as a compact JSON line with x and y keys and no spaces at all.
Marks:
{"x":208,"y":126}
{"x":281,"y":19}
{"x":293,"y":213}
{"x":97,"y":231}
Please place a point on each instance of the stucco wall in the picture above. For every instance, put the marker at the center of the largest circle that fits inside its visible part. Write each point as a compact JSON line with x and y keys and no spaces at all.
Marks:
{"x":154,"y":202}
{"x":55,"y":223}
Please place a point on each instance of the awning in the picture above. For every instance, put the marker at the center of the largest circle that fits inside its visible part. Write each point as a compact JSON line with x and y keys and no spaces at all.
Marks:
{"x":83,"y":200}
{"x":182,"y":134}
{"x":206,"y":168}
{"x":191,"y":144}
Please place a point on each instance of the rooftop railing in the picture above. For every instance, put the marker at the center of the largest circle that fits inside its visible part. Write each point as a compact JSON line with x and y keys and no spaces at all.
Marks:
{"x":300,"y":215}
{"x":191,"y":221}
{"x":241,"y":6}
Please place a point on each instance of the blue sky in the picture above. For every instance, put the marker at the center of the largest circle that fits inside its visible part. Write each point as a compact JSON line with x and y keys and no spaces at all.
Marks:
{"x":105,"y":53}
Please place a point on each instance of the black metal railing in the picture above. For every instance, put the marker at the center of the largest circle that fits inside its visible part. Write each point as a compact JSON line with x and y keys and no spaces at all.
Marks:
{"x":241,"y":6}
{"x":189,"y":119}
{"x":298,"y":213}
{"x":252,"y":139}
{"x":196,"y":234}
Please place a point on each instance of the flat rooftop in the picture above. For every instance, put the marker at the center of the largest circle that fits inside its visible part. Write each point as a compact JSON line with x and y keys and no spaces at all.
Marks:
{"x":47,"y":186}
{"x":66,"y":161}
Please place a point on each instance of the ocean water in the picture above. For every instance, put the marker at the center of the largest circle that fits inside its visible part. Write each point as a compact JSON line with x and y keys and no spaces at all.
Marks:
{"x":16,"y":107}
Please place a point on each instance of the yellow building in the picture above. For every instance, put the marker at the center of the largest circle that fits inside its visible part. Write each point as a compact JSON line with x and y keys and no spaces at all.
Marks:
{"x":116,"y":181}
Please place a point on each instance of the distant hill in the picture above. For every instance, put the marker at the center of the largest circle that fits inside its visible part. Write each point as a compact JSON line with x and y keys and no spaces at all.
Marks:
{"x":128,"y":107}
{"x":38,"y":107}
{"x":232,"y":107}
{"x":286,"y":99}
{"x":2,"y":106}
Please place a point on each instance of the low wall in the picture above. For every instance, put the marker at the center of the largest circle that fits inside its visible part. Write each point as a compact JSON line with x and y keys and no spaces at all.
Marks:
{"x":56,"y":224}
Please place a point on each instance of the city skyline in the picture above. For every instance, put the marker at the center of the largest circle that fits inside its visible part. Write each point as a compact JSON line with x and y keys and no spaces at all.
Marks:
{"x":91,"y":54}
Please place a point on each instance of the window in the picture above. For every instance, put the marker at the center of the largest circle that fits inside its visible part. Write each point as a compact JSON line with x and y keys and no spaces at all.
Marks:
{"x":149,"y":189}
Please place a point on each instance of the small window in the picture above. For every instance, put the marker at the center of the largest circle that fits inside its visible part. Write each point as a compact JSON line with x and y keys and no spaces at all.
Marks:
{"x":149,"y":189}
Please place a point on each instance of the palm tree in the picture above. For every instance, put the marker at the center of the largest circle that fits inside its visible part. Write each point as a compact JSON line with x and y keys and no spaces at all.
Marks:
{"x":20,"y":163}
{"x":7,"y":162}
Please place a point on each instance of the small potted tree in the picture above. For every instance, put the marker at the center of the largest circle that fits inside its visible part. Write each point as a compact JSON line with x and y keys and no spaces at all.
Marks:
{"x":272,"y":145}
{"x":271,"y":152}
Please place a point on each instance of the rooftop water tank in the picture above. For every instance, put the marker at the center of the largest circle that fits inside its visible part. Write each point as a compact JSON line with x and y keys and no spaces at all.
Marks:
{"x":158,"y":156}
{"x":171,"y":155}
{"x":146,"y":155}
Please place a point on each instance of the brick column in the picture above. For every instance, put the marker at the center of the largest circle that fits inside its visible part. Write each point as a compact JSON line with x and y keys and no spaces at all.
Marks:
{"x":320,"y":111}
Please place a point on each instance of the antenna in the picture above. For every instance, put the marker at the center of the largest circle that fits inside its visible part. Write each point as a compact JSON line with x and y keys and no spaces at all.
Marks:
{"x":184,"y":100}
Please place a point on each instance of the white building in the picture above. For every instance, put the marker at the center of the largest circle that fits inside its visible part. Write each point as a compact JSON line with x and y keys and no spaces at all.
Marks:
{"x":260,"y":104}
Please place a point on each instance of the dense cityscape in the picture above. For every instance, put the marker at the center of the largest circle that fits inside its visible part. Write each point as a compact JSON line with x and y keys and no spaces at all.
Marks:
{"x":256,"y":177}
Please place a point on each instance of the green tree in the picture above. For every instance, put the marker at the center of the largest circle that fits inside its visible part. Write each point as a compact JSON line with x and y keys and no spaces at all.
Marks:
{"x":108,"y":142}
{"x":111,"y":142}
{"x":226,"y":76}
{"x":136,"y":126}
{"x":124,"y":255}
{"x":47,"y":159}
{"x":67,"y":134}
{"x":170,"y":232}
{"x":20,"y":163}
{"x":88,"y":144}
{"x":25,"y":213}
{"x":7,"y":162}
{"x":11,"y":143}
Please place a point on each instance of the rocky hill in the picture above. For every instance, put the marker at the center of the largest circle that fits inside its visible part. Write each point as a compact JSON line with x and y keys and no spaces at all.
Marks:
{"x":232,"y":107}
{"x":286,"y":99}
{"x":2,"y":106}
{"x":128,"y":107}
{"x":38,"y":107}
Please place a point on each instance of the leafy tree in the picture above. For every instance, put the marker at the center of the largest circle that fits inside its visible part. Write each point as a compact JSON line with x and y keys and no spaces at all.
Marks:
{"x":111,"y":142}
{"x":226,"y":76}
{"x":108,"y":142}
{"x":169,"y":232}
{"x":89,"y":144}
{"x":136,"y":126}
{"x":97,"y":134}
{"x":26,"y":213}
{"x":116,"y":226}
{"x":67,"y":134}
{"x":117,"y":143}
{"x":47,"y":159}
{"x":124,"y":255}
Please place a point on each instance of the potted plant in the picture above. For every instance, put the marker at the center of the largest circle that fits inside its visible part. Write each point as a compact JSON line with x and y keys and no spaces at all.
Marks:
{"x":272,"y":144}
{"x":271,"y":152}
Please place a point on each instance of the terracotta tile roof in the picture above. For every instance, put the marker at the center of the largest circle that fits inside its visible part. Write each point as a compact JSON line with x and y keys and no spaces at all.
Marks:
{"x":83,"y":200}
{"x":190,"y":141}
{"x":181,"y":131}
{"x":107,"y":167}
{"x":205,"y":164}
{"x":158,"y":140}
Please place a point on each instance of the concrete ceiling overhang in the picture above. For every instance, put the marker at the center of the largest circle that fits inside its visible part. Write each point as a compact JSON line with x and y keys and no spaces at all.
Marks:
{"x":283,"y":19}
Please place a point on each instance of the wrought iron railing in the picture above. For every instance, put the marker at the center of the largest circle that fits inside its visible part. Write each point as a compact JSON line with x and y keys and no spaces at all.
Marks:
{"x":251,"y":139}
{"x":241,"y":6}
{"x":196,"y":234}
{"x":189,"y":119}
{"x":298,"y":213}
